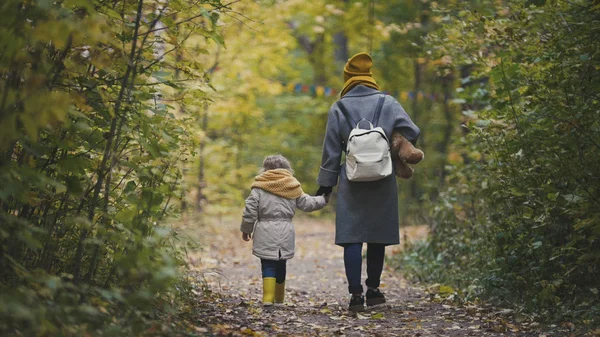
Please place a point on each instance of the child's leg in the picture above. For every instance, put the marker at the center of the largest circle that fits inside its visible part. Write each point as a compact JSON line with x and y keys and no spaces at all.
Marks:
{"x":280,"y":271}
{"x":353,"y":264}
{"x":269,"y":268}
{"x":280,"y":281}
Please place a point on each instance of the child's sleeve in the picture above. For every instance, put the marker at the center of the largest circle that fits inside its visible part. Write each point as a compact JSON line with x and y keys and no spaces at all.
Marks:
{"x":250,"y":215}
{"x":308,"y":203}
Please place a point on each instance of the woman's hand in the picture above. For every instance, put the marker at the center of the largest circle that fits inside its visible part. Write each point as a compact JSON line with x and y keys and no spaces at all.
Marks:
{"x":246,"y":236}
{"x":324,"y":190}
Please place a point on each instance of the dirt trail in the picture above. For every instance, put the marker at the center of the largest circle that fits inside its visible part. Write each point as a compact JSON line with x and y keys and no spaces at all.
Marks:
{"x":317,"y":297}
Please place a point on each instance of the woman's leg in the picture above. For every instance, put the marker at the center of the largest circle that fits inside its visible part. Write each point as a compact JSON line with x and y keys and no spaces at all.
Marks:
{"x":353,"y":264}
{"x":375,"y":257}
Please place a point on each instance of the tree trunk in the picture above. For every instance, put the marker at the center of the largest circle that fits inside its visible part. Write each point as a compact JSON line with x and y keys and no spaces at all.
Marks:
{"x":316,"y":56}
{"x":415,"y":117}
{"x":340,"y":52}
{"x":443,"y":146}
{"x":109,"y":141}
{"x":317,"y":59}
{"x":340,"y":40}
{"x":200,"y":197}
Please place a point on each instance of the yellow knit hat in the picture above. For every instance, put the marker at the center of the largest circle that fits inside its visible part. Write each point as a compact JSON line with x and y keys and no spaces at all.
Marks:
{"x":358,"y":71}
{"x":358,"y":65}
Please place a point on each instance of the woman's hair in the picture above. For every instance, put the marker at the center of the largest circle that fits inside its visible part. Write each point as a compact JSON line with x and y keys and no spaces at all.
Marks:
{"x":276,"y":162}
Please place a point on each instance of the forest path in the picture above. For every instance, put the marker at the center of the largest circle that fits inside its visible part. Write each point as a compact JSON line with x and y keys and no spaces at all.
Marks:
{"x":317,"y":297}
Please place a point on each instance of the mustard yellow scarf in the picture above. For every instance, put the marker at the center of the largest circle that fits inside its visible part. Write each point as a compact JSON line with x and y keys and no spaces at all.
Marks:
{"x":356,"y":80}
{"x":280,"y":182}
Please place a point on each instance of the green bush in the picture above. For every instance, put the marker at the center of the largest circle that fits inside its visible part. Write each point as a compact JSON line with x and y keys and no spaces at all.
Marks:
{"x":522,"y":221}
{"x":91,"y":164}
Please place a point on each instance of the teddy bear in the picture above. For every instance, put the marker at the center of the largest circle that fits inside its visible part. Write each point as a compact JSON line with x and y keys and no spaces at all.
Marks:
{"x":404,"y":153}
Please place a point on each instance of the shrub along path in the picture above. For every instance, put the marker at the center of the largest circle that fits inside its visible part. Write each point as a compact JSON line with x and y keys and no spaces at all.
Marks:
{"x":317,"y":297}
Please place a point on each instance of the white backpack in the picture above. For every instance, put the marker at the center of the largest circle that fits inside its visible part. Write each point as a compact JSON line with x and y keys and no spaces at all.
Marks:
{"x":367,"y":150}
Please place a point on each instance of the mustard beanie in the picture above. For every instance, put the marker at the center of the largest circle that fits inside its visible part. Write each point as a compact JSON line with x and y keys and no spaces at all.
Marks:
{"x":358,"y":65}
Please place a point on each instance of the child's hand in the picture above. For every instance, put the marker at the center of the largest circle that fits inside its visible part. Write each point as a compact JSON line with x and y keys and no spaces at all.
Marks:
{"x":246,"y":236}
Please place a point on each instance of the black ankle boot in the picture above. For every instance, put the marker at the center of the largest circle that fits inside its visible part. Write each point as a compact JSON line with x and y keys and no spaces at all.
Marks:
{"x":374,"y":297}
{"x":357,"y":303}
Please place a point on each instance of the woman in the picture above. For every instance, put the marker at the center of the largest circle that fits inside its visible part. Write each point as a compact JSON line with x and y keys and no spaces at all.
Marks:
{"x":366,"y":212}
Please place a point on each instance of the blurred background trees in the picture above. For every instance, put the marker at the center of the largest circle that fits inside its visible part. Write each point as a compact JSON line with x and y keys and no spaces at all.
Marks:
{"x":118,"y":116}
{"x":291,"y":76}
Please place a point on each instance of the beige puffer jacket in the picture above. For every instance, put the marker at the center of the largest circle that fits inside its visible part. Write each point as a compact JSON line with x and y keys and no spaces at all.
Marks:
{"x":269,"y":217}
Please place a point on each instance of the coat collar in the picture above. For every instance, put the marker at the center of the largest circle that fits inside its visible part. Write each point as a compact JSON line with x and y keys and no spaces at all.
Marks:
{"x":361,"y":90}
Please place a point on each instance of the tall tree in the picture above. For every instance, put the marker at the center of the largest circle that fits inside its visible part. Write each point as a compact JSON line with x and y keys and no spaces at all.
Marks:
{"x":87,"y":175}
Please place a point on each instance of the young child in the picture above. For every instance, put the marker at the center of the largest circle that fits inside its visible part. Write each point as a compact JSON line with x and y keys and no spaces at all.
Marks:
{"x":268,"y":214}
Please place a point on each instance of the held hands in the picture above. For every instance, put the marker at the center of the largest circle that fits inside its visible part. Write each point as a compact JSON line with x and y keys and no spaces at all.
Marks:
{"x":325,"y":191}
{"x":246,"y":236}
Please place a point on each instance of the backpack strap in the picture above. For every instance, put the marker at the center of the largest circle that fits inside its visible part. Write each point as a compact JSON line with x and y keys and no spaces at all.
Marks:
{"x":351,"y":122}
{"x":378,"y":110}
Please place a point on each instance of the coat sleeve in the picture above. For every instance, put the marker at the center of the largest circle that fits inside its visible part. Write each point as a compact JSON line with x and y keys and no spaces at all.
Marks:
{"x":308,"y":204}
{"x":332,"y":151}
{"x":250,"y":215}
{"x":404,"y":124}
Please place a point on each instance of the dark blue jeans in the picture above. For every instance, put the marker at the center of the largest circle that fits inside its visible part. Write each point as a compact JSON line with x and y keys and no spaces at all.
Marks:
{"x":272,"y":268}
{"x":353,"y":264}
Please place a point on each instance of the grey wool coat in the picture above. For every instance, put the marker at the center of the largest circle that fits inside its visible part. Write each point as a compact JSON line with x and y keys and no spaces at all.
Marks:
{"x":269,"y":218}
{"x":365,"y":211}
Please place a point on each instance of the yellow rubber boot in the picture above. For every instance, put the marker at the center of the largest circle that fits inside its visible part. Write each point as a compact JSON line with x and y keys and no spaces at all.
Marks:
{"x":279,"y":292}
{"x":268,"y":291}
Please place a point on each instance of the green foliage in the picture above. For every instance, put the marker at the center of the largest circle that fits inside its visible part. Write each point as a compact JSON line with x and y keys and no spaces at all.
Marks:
{"x":519,"y":217}
{"x":404,"y":63}
{"x":255,"y":115}
{"x":238,"y":151}
{"x":90,"y":161}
